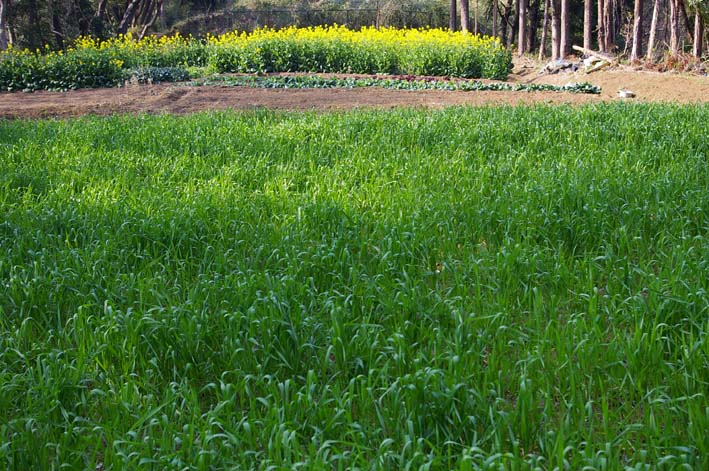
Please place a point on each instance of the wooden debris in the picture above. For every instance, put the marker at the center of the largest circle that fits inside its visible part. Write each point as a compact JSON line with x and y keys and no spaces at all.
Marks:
{"x":602,"y":55}
{"x":595,"y":60}
{"x":598,"y":66}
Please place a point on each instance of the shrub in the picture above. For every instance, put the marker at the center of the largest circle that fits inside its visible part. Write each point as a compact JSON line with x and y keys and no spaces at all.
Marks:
{"x":369,"y":50}
{"x":76,"y":68}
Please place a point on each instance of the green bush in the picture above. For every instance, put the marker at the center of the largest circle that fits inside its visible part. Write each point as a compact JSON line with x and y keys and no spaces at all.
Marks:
{"x":22,"y":70}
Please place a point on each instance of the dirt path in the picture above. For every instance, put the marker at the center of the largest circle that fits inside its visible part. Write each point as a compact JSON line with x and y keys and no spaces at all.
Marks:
{"x":175,"y":98}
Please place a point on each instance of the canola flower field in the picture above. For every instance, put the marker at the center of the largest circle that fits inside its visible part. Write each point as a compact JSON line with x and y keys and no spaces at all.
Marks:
{"x":94,"y":63}
{"x":497,"y":288}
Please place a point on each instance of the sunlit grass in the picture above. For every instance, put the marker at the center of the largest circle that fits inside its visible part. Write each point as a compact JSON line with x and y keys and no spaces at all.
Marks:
{"x":471,"y":288}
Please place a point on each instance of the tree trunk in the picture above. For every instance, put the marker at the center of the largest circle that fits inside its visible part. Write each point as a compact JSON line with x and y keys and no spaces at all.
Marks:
{"x":475,"y":17}
{"x":522,"y":28}
{"x":587,"y":23}
{"x":144,"y":12}
{"x":608,"y":25}
{"x":4,"y":36}
{"x":653,"y":31}
{"x":532,"y":25}
{"x":698,"y":33}
{"x":674,"y":27}
{"x":465,"y":15}
{"x":494,"y":18}
{"x":514,"y":23}
{"x":127,"y":19}
{"x":151,"y":20}
{"x":505,"y":22}
{"x":57,"y":24}
{"x":452,"y":23}
{"x":685,"y":20}
{"x":555,"y":29}
{"x":602,"y":45}
{"x":545,"y":27}
{"x":565,"y":43}
{"x":637,"y":31}
{"x":101,"y":10}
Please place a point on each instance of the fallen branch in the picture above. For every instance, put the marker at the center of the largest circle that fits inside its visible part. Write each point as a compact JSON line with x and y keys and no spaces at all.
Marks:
{"x":590,"y":52}
{"x":598,"y":66}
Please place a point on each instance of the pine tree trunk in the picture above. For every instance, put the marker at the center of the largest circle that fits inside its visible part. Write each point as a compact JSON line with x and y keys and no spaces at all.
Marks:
{"x":475,"y":16}
{"x":532,"y":25}
{"x":608,"y":25}
{"x":565,"y":43}
{"x":545,"y":27}
{"x":465,"y":15}
{"x":57,"y":24}
{"x":4,"y":36}
{"x":698,"y":33}
{"x":674,"y":27}
{"x":684,"y":18}
{"x":514,"y":24}
{"x":602,"y":44}
{"x":494,"y":18}
{"x":505,"y":22}
{"x":637,"y":31}
{"x":587,"y":23}
{"x":522,"y":28}
{"x":653,"y":31}
{"x":555,"y":29}
{"x":452,"y":23}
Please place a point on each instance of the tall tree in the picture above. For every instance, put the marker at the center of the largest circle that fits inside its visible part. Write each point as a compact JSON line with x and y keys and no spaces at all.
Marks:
{"x":653,"y":30}
{"x":477,"y":9}
{"x":685,"y":19}
{"x":565,"y":42}
{"x":637,"y":31}
{"x":555,"y":29}
{"x":465,"y":15}
{"x":4,"y":26}
{"x":545,"y":27}
{"x":57,"y":23}
{"x":602,"y":44}
{"x":494,"y":17}
{"x":608,"y":26}
{"x":128,"y":16}
{"x":522,"y":28}
{"x":674,"y":27}
{"x":587,"y":23}
{"x":698,"y":31}
{"x":452,"y":23}
{"x":506,"y":20}
{"x":532,"y":24}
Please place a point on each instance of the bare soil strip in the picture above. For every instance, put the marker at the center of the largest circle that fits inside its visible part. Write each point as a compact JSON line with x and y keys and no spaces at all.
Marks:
{"x":179,"y":99}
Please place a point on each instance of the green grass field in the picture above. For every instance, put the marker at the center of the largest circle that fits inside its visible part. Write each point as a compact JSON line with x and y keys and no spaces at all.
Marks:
{"x":473,"y":288}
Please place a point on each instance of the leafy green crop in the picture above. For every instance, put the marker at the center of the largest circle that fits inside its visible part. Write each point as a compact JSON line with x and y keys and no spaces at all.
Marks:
{"x":470,"y":288}
{"x":406,"y":83}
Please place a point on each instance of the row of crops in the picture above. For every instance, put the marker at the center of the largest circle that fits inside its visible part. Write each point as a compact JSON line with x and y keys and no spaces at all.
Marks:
{"x":393,"y":83}
{"x":472,"y":288}
{"x":94,"y":63}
